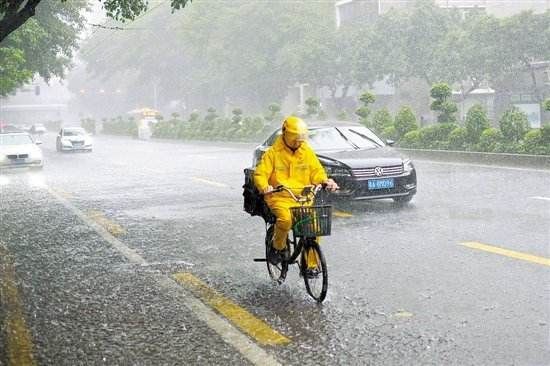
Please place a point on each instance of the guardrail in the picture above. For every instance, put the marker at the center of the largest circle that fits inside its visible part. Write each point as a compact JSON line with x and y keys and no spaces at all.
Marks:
{"x":501,"y":159}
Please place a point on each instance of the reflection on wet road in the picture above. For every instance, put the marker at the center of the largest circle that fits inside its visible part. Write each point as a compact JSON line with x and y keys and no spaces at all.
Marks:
{"x":98,"y":238}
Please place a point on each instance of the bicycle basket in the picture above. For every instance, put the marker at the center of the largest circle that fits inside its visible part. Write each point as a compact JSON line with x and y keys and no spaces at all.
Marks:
{"x":311,"y":221}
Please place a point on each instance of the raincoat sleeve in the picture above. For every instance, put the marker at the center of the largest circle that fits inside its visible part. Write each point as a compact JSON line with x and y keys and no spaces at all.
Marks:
{"x":263,"y":171}
{"x":318,"y":174}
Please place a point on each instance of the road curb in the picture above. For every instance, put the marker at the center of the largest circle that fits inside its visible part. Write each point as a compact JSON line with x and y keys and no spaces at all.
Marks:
{"x":501,"y":159}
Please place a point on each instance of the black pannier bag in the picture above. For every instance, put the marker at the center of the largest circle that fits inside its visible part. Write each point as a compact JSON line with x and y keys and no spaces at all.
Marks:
{"x":253,"y":201}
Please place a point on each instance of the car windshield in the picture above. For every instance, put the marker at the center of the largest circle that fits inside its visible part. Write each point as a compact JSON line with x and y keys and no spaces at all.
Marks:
{"x":329,"y":139}
{"x":15,"y":140}
{"x":362,"y":137}
{"x":74,"y":132}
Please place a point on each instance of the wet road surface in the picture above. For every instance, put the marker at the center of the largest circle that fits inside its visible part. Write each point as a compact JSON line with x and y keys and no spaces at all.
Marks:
{"x":91,"y":247}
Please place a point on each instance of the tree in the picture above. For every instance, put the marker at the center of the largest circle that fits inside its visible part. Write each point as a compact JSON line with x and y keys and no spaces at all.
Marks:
{"x":476,"y":122}
{"x":443,"y":104}
{"x":405,"y":121}
{"x":546,"y":105}
{"x":381,"y":120}
{"x":14,"y":13}
{"x":44,"y":45}
{"x":363,"y":112}
{"x":312,"y":106}
{"x":513,"y":125}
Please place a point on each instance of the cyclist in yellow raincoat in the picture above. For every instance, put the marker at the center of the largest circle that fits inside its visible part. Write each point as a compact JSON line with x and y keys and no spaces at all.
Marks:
{"x":290,"y":162}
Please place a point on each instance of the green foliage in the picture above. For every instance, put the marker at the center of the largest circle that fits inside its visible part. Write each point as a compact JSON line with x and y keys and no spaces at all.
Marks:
{"x":546,"y":105}
{"x":120,"y":126}
{"x":412,"y":140}
{"x":237,"y":115}
{"x":405,"y":121}
{"x":436,"y":136}
{"x":513,"y":125}
{"x":211,"y":114}
{"x":12,"y":72}
{"x":274,"y":113}
{"x":442,"y":93}
{"x":490,"y":140}
{"x":476,"y":122}
{"x":363,"y":111}
{"x":390,"y":133}
{"x":44,"y":45}
{"x":381,"y":120}
{"x":545,"y":134}
{"x":342,"y":115}
{"x":533,"y":143}
{"x":312,"y":106}
{"x":458,"y":138}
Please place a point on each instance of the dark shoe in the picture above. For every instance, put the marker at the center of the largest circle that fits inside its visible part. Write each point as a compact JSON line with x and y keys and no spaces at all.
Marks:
{"x":312,"y":273}
{"x":277,"y":256}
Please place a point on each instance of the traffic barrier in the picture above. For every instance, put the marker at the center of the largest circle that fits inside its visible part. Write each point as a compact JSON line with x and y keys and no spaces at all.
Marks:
{"x":502,"y":159}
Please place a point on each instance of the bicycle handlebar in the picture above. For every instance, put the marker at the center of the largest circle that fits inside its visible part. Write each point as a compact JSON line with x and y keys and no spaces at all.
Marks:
{"x":309,"y":190}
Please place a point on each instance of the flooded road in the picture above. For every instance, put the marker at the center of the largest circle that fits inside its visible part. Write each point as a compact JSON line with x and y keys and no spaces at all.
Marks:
{"x":140,"y":253}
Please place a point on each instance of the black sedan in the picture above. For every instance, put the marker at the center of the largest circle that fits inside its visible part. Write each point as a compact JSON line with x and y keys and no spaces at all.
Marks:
{"x":362,"y":164}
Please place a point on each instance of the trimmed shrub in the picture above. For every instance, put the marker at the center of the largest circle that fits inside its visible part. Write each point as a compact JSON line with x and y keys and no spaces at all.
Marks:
{"x":476,"y":122}
{"x":490,"y":140}
{"x":513,"y":125}
{"x":405,"y":121}
{"x":390,"y":133}
{"x":458,"y":138}
{"x":436,"y":136}
{"x":443,"y":104}
{"x":381,"y":120}
{"x":411,"y":140}
{"x":532,"y":143}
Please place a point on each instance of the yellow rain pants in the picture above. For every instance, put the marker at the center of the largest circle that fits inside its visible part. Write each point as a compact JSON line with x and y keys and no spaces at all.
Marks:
{"x":293,"y":169}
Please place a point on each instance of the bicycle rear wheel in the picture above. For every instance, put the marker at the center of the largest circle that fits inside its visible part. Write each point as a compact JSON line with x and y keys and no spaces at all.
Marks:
{"x":316,"y":280}
{"x":277,"y":272}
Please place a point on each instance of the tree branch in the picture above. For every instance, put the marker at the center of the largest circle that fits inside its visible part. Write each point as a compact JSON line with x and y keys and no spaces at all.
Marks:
{"x":16,"y":16}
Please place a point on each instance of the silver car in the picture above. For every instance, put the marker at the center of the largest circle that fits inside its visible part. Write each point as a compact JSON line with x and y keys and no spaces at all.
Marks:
{"x":19,"y":150}
{"x":73,"y":139}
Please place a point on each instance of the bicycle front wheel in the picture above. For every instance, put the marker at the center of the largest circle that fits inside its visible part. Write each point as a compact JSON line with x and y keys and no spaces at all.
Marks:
{"x":315,"y":277}
{"x":277,"y":272}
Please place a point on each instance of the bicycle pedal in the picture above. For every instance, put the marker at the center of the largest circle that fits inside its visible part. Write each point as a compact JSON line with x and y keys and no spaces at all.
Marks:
{"x":260,"y":260}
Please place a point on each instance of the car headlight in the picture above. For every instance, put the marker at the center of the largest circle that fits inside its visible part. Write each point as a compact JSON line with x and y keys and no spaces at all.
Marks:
{"x":3,"y":158}
{"x":408,"y":166}
{"x":337,"y":171}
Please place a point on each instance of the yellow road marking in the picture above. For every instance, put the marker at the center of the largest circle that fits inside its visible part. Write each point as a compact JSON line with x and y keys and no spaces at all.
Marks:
{"x":112,"y":227}
{"x":508,"y":253}
{"x":19,"y":347}
{"x":254,"y":327}
{"x":339,"y":213}
{"x":403,"y":314}
{"x":211,"y":182}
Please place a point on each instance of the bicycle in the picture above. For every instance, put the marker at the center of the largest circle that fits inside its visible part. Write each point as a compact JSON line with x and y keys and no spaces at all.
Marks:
{"x":308,"y":223}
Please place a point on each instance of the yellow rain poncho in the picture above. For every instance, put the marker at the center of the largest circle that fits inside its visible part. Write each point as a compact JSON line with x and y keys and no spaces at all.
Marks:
{"x":281,"y":166}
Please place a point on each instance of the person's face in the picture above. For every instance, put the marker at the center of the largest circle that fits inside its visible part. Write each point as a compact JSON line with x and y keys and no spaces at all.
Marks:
{"x":294,"y":140}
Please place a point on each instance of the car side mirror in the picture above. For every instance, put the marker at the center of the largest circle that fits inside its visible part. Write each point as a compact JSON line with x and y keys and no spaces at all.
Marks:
{"x":390,"y":142}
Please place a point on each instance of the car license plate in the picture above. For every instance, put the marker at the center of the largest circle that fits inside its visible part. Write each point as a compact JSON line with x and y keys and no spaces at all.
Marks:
{"x":386,"y":183}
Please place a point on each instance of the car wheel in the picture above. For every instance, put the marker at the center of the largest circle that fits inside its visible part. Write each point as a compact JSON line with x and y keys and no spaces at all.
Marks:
{"x":403,"y":199}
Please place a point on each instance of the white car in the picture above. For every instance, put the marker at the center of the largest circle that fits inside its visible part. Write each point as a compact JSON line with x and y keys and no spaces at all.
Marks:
{"x":37,"y":129}
{"x":19,"y":150}
{"x":73,"y":139}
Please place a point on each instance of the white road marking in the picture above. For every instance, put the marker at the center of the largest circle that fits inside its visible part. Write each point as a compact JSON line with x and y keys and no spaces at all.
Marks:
{"x":226,"y":330}
{"x":484,"y":166}
{"x":212,"y":183}
{"x":540,"y":198}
